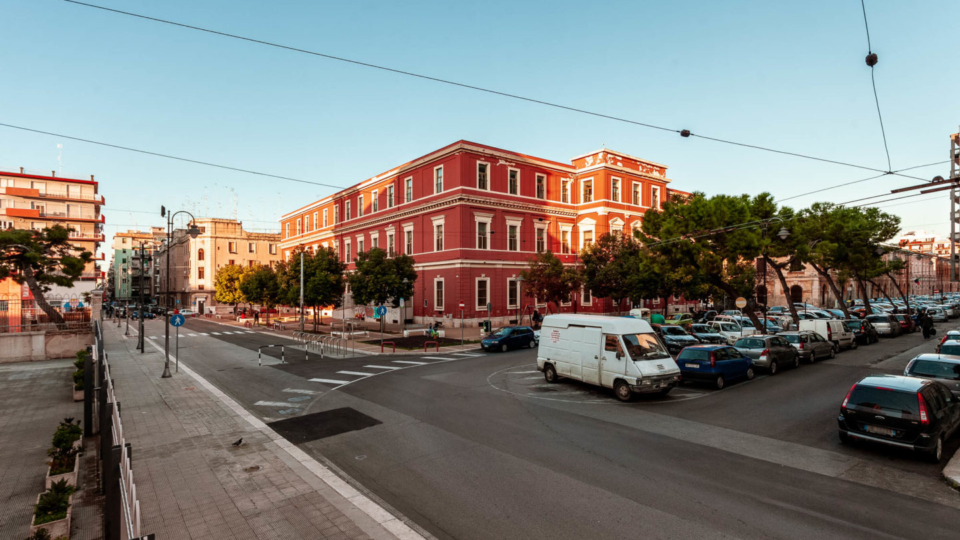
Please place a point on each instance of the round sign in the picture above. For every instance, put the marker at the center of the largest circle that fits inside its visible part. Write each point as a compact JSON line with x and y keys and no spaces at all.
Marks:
{"x":177,"y":320}
{"x":741,"y":302}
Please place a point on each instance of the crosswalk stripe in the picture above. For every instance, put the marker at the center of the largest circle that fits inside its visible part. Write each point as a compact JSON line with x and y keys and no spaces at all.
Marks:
{"x":435,"y":358}
{"x":360,"y":373}
{"x":383,"y":367}
{"x":411,"y":362}
{"x":272,"y":404}
{"x":329,"y":381}
{"x":299,"y":391}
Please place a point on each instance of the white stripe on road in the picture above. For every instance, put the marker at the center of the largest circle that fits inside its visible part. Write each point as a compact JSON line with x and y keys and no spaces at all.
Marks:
{"x":360,"y":373}
{"x":273,"y":404}
{"x":435,"y":358}
{"x":299,"y":391}
{"x":410,"y":362}
{"x":383,"y":367}
{"x":329,"y":381}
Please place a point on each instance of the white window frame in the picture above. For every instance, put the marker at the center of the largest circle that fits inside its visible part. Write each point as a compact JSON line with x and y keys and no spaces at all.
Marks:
{"x":374,"y":201}
{"x":518,"y":223}
{"x":486,"y":219}
{"x":655,"y":189}
{"x":408,"y":189}
{"x":536,"y":193}
{"x":476,"y":293}
{"x":438,"y":179}
{"x":438,"y":306}
{"x":636,"y":189}
{"x":326,"y":214}
{"x":614,"y":181}
{"x":593,"y":191}
{"x":390,"y":190}
{"x":511,"y":170}
{"x":360,"y":205}
{"x":488,"y":180}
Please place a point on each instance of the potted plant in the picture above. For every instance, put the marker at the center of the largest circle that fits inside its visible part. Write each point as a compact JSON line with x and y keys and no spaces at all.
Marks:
{"x":64,"y":454}
{"x":78,"y":375}
{"x":53,"y":511}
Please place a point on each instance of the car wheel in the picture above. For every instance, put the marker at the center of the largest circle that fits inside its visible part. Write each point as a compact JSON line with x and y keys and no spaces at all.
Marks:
{"x":550,"y":373}
{"x":622,"y":390}
{"x":750,"y":374}
{"x":833,"y":352}
{"x":719,"y":382}
{"x":936,"y":455}
{"x":504,"y":347}
{"x":774,"y":368}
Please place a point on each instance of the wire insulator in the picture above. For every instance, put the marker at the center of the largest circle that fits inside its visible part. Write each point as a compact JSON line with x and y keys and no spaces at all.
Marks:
{"x":872,"y":59}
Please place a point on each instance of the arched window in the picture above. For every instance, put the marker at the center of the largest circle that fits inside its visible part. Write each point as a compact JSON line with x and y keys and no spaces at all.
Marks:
{"x":200,"y":254}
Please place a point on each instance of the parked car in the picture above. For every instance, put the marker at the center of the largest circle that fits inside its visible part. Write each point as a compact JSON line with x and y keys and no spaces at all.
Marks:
{"x":679,"y":319}
{"x":810,"y":345}
{"x":943,"y":368}
{"x":621,"y":353}
{"x":905,"y":412}
{"x":769,"y":352}
{"x":729,"y":330}
{"x":907,"y":324}
{"x":706,"y":334}
{"x":863,"y":330}
{"x":716,"y":364}
{"x":509,"y":337}
{"x":950,"y":346}
{"x":885,"y":324}
{"x":950,"y":335}
{"x":832,"y":330}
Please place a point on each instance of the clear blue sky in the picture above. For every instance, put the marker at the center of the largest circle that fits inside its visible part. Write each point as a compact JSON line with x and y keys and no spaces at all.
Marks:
{"x":789,"y":75}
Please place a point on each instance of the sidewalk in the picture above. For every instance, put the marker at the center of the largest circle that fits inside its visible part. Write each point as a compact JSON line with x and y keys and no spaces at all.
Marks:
{"x":194,"y":484}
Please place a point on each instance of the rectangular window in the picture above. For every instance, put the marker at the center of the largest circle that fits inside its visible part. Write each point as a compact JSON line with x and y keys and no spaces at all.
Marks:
{"x":636,"y":194}
{"x":409,"y":187}
{"x":541,"y":240}
{"x":325,"y":215}
{"x":408,"y":247}
{"x":438,"y":235}
{"x":565,"y":242}
{"x":438,"y":180}
{"x":513,"y":293}
{"x":390,"y":245}
{"x":200,"y":272}
{"x":375,"y":201}
{"x":541,"y":186}
{"x":359,"y":205}
{"x":273,"y":249}
{"x":251,"y":247}
{"x":587,"y":191}
{"x":346,"y":212}
{"x":438,"y":295}
{"x":483,"y":181}
{"x":389,"y":196}
{"x":513,"y":182}
{"x":615,"y":189}
{"x":513,"y":237}
{"x":232,"y":246}
{"x":565,"y":191}
{"x":481,"y":235}
{"x":655,"y":197}
{"x":483,"y":293}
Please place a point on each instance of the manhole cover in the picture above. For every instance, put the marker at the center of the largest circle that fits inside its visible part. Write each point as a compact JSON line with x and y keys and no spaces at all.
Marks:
{"x":255,"y":468}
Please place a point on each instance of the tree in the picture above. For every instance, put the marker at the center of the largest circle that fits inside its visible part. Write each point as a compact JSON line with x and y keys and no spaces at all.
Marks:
{"x":261,"y":287}
{"x":379,"y":278}
{"x":226,"y":285}
{"x":549,"y":280}
{"x":608,"y":265}
{"x":41,"y":259}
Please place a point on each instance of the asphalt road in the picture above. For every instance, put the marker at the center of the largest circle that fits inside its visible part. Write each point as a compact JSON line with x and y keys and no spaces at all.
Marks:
{"x":478,"y":446}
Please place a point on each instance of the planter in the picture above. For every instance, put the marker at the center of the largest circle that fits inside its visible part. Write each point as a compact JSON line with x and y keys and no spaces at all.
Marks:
{"x":58,"y":528}
{"x":70,"y":476}
{"x":78,"y":395}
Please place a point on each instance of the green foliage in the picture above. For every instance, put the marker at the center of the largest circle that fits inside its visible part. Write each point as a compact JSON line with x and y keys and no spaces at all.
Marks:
{"x":379,"y":279}
{"x":54,"y":503}
{"x":550,"y":280}
{"x":226,"y":284}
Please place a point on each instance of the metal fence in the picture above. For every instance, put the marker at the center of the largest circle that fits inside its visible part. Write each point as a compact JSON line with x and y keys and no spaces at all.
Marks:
{"x":121,"y":512}
{"x":17,"y":315}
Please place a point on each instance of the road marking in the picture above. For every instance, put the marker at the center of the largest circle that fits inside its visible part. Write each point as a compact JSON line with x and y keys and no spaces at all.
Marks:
{"x":435,"y":358}
{"x":410,"y":362}
{"x":283,"y":404}
{"x":329,"y":381}
{"x":299,"y":391}
{"x":383,"y":367}
{"x":360,"y":373}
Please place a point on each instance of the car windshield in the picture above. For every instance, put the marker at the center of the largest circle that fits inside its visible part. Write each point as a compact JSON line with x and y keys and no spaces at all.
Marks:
{"x":950,"y":348}
{"x":891,"y":402}
{"x":791,"y":338}
{"x":674,"y":331}
{"x":644,"y":347}
{"x":751,"y":343}
{"x":936,"y":370}
{"x":503,"y":332}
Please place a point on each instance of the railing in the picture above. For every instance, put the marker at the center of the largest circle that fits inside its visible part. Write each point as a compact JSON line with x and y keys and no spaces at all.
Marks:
{"x":121,"y":514}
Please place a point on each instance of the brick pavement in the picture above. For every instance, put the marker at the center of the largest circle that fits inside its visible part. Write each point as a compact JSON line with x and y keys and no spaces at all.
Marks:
{"x":193,"y":483}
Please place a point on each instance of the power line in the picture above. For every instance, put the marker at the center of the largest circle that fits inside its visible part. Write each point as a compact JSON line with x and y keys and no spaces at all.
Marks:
{"x":684,"y":133}
{"x":872,"y":61}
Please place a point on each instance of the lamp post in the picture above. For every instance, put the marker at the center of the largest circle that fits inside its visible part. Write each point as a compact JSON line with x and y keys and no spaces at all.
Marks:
{"x":193,"y":231}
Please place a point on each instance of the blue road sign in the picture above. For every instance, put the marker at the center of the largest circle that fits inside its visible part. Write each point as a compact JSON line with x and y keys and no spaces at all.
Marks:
{"x":381,"y":311}
{"x":177,"y":320}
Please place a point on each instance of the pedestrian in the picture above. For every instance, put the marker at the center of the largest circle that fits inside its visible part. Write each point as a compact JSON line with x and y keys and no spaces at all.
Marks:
{"x":256,"y":317}
{"x":926,"y":324}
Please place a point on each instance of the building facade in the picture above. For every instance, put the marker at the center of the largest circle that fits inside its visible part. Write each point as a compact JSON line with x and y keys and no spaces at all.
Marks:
{"x":473,"y":216}
{"x":32,"y":201}
{"x":194,"y":262}
{"x":125,"y":277}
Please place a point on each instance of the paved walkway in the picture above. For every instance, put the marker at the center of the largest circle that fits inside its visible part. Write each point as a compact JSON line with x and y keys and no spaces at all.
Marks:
{"x":34,"y":398}
{"x":194,"y":484}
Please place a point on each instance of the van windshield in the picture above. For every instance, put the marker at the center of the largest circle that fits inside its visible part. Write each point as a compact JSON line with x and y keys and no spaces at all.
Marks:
{"x":644,"y":347}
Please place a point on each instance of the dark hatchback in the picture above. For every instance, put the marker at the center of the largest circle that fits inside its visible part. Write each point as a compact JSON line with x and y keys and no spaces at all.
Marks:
{"x":509,"y":337}
{"x":906,"y":412}
{"x":863,"y":331}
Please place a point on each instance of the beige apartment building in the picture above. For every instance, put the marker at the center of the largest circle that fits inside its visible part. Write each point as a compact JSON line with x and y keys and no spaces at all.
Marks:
{"x":194,"y":261}
{"x":34,"y":201}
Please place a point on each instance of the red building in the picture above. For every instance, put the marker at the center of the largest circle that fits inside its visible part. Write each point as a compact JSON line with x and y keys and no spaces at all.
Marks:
{"x":472,"y":216}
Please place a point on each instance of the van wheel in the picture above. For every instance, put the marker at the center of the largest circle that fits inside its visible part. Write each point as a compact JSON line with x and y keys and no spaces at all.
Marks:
{"x":774,"y":367}
{"x":550,"y":373}
{"x":504,"y":347}
{"x":750,"y":374}
{"x":622,"y":390}
{"x":719,"y":382}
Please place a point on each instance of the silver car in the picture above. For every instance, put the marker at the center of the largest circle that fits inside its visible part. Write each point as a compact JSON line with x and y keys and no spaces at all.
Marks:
{"x":810,"y":345}
{"x":885,"y":324}
{"x":769,"y":352}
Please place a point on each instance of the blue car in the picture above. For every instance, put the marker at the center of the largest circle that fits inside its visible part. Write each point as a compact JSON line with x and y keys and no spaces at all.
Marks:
{"x":715,"y":364}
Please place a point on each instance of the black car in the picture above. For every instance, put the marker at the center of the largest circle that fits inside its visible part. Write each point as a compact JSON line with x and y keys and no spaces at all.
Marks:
{"x":509,"y":337}
{"x":674,"y":337}
{"x":706,"y":334}
{"x":863,"y":331}
{"x":905,"y":412}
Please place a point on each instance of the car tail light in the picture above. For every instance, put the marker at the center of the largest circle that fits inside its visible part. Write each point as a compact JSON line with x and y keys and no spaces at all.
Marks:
{"x":923,"y":410}
{"x":846,"y":399}
{"x":713,"y":359}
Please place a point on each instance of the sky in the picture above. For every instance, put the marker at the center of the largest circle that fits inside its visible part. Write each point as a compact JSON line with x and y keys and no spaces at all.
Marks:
{"x":786,"y":75}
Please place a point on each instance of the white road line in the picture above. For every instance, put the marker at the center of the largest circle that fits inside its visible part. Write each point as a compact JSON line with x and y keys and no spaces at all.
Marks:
{"x":435,"y":358}
{"x":360,"y":373}
{"x":384,"y":367}
{"x":299,"y":391}
{"x":273,"y":404}
{"x":410,"y":362}
{"x":329,"y":381}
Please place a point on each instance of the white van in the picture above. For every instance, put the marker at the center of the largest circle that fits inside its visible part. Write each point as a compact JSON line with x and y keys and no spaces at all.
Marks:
{"x":622,"y":353}
{"x":831,"y":330}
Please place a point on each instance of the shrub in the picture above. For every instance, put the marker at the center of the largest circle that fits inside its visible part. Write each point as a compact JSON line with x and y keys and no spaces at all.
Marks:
{"x":53,"y":504}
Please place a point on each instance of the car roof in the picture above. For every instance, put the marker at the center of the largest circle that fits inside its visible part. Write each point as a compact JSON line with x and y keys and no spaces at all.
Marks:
{"x":894,"y":382}
{"x":947,"y":358}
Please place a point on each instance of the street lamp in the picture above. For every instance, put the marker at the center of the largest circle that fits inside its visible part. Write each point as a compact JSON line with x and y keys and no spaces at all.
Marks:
{"x":193,"y":231}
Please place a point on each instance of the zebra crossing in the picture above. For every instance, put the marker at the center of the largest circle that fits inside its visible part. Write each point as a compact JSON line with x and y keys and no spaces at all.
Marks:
{"x":204,"y":334}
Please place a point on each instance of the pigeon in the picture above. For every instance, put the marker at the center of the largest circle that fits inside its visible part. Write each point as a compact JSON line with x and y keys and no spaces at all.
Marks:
{"x":239,"y":442}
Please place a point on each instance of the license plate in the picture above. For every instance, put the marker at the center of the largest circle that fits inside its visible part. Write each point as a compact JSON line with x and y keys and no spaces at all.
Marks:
{"x":692,"y":366}
{"x":880,"y":430}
